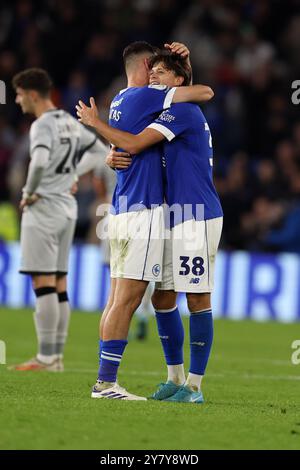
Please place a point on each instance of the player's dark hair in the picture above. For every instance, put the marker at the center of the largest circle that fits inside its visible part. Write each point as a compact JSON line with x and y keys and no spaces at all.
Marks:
{"x":136,"y":48}
{"x":33,"y":79}
{"x":172,"y":62}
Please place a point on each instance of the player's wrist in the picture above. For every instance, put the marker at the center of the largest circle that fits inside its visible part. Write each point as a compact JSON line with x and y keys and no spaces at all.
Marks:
{"x":98,"y":124}
{"x":26,"y":196}
{"x":30,"y":198}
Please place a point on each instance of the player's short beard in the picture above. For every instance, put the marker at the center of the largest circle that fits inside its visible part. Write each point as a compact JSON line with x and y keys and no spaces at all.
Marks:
{"x":28,"y":108}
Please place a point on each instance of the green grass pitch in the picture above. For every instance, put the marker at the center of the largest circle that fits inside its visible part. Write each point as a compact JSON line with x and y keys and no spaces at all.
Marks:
{"x":252,"y":393}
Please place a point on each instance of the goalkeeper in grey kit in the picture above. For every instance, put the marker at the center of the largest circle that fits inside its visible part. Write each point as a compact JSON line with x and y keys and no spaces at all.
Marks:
{"x":60,"y":149}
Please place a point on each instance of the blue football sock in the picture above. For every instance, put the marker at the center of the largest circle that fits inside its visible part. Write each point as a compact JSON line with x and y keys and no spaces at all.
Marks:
{"x":111,"y":355}
{"x":201,"y":337}
{"x":100,"y":349}
{"x":171,"y":333}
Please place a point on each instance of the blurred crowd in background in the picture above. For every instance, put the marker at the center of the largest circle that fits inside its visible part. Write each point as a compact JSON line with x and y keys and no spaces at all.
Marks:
{"x":248,"y":51}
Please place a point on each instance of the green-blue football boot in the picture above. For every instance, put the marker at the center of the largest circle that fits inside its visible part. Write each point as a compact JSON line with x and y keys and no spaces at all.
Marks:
{"x":165,"y":390}
{"x":186,"y":395}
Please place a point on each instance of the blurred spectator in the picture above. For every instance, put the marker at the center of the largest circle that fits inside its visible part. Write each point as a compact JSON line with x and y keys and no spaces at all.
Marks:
{"x":286,"y":238}
{"x":77,"y":88}
{"x":248,"y":51}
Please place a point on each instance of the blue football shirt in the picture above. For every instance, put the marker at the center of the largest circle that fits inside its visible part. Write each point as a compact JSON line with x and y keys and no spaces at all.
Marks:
{"x":188,"y":162}
{"x":141,"y":185}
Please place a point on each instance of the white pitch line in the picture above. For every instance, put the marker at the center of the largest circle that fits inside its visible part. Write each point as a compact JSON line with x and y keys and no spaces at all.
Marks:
{"x":223,"y":375}
{"x":214,"y":375}
{"x":218,"y":357}
{"x":272,"y":377}
{"x":275,"y":362}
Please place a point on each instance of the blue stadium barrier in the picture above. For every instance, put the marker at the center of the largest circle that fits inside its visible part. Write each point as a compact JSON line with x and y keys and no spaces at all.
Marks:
{"x":247,"y":285}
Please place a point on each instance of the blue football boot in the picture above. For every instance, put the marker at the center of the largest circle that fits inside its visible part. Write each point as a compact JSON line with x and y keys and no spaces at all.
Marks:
{"x":165,"y":390}
{"x":186,"y":395}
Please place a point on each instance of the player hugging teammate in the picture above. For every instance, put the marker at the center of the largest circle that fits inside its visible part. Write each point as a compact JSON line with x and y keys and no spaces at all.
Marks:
{"x":159,"y":123}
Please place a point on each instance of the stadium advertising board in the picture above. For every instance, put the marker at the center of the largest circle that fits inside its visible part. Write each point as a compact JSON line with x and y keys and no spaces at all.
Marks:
{"x":247,"y":285}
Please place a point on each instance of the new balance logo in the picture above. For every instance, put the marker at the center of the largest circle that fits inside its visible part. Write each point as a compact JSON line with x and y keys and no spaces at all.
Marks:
{"x":164,"y":337}
{"x":195,"y":280}
{"x":198,"y":343}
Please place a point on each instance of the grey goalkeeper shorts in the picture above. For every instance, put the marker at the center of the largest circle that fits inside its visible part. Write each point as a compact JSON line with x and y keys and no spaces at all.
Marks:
{"x":46,"y":239}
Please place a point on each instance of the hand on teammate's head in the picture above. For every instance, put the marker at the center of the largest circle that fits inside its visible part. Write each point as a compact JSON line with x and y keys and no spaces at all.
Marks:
{"x":178,"y":48}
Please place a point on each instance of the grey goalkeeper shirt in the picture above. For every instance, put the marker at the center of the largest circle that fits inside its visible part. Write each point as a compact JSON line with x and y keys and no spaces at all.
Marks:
{"x":61,"y":141}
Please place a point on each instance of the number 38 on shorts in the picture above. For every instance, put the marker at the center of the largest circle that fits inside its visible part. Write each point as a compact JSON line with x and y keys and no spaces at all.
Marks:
{"x":189,"y":263}
{"x":196,"y":266}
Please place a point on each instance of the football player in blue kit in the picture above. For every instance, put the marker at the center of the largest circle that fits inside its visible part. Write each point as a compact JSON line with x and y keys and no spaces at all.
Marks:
{"x":136,"y":226}
{"x":194,"y":235}
{"x":191,"y":247}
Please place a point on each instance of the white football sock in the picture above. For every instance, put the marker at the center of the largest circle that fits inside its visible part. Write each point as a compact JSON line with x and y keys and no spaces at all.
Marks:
{"x":46,"y":359}
{"x":46,"y":319}
{"x":104,"y":385}
{"x":62,"y":327}
{"x":176,"y":374}
{"x":194,"y":382}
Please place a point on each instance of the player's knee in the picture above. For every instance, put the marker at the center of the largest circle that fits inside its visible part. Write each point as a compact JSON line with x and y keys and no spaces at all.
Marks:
{"x":127,"y":304}
{"x":163,"y":300}
{"x":39,"y":281}
{"x":198,"y":302}
{"x":61,"y":283}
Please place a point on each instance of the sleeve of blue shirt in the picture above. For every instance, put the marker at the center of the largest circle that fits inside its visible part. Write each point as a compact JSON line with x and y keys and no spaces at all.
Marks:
{"x":173,"y":121}
{"x":155,"y":98}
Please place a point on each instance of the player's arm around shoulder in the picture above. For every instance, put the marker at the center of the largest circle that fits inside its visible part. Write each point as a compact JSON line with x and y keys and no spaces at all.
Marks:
{"x":131,"y":143}
{"x":144,"y":140}
{"x":193,"y":94}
